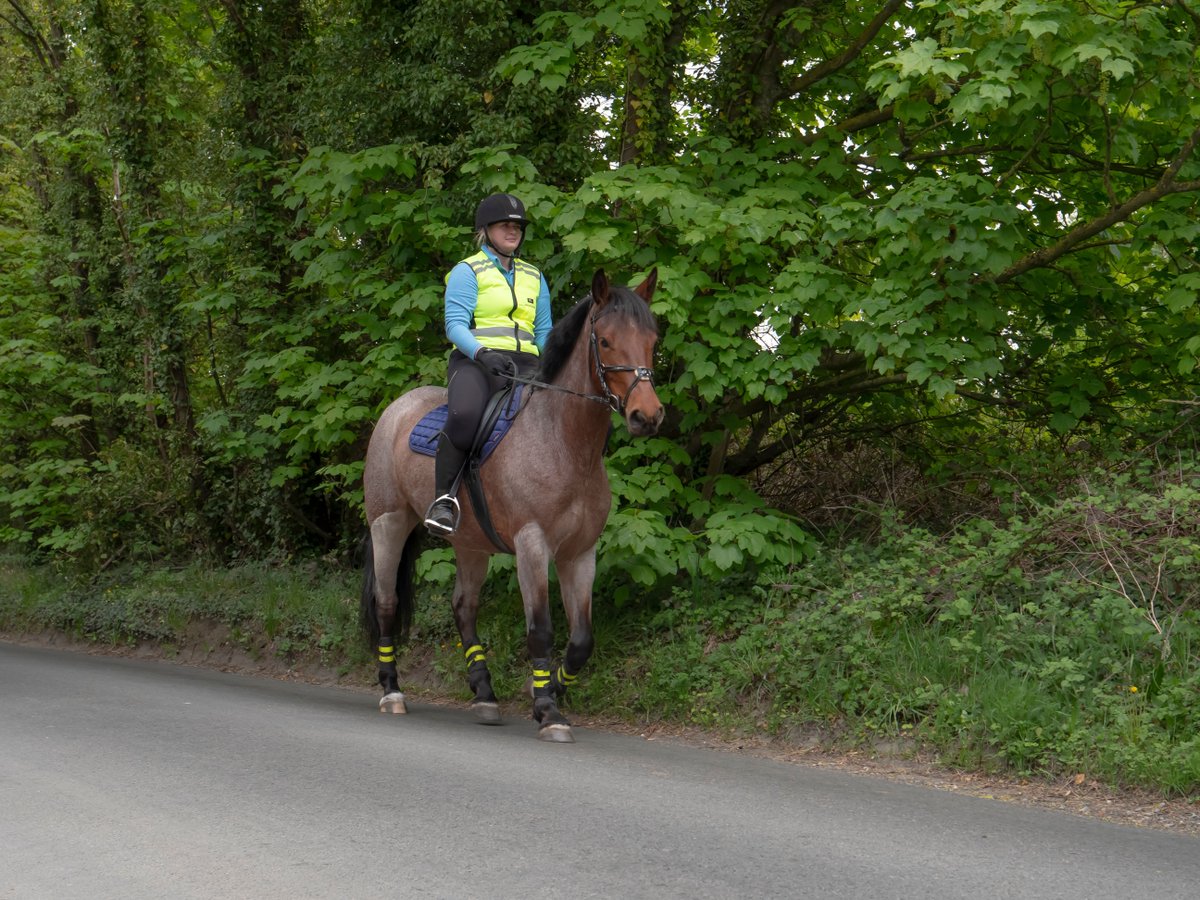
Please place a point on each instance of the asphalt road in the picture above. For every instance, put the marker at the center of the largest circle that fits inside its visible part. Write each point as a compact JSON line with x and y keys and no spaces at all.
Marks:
{"x":131,"y":779}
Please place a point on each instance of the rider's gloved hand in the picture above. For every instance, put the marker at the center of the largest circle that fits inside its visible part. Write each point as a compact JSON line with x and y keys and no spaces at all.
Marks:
{"x":495,"y":362}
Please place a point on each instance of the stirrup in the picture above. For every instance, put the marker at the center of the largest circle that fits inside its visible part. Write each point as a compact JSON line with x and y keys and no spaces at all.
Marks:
{"x":437,"y":526}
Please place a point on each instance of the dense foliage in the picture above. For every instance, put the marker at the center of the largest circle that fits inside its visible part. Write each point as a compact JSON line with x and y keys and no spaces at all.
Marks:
{"x":917,"y":260}
{"x":225,"y":226}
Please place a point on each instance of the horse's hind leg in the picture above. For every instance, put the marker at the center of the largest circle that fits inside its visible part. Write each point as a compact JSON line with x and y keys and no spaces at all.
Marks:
{"x":389,"y":604}
{"x":470,"y":572}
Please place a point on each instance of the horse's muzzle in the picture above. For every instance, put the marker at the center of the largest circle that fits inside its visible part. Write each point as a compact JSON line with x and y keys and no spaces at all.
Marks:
{"x":643,"y":425}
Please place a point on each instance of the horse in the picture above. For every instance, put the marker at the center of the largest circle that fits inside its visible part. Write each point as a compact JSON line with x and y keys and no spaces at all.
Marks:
{"x":546,"y":489}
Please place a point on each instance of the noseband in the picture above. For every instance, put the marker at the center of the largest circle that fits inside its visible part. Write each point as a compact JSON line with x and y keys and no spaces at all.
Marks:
{"x":640,"y":374}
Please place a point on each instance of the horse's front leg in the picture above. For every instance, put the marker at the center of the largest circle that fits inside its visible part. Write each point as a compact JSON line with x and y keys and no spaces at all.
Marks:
{"x":470,"y":572}
{"x":575,"y":577}
{"x":533,"y":559}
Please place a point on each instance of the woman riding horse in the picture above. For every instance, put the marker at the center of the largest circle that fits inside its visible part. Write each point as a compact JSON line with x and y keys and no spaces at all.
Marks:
{"x":497,"y":318}
{"x":544,"y":485}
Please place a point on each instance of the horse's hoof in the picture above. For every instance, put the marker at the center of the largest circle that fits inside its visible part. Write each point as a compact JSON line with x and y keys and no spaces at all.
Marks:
{"x":486,"y":712}
{"x":557,"y":733}
{"x":393,"y":703}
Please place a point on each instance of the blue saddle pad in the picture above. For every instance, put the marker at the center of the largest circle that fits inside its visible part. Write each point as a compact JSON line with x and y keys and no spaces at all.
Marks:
{"x":424,"y":437}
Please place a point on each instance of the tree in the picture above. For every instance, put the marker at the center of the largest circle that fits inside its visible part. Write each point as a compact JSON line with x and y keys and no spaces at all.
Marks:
{"x":877,"y":214}
{"x":104,"y":122}
{"x":908,"y":224}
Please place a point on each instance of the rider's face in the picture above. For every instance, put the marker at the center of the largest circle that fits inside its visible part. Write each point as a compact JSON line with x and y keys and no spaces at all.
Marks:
{"x":505,"y":237}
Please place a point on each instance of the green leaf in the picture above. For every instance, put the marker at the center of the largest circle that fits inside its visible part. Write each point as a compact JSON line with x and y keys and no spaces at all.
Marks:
{"x":1062,"y":422}
{"x":1183,"y":293}
{"x":724,"y":556}
{"x":1039,"y":27}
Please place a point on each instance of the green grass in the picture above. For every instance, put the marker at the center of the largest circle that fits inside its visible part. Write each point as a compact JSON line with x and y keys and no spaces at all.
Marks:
{"x":303,"y":612}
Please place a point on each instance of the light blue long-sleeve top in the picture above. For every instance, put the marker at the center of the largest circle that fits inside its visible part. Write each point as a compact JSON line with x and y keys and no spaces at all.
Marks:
{"x":462,"y":292}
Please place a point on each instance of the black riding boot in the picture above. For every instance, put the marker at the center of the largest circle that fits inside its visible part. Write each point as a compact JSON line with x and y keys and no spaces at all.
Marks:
{"x":443,"y":515}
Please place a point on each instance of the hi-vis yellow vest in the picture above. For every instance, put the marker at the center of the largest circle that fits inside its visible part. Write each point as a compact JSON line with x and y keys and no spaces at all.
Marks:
{"x":504,"y":314}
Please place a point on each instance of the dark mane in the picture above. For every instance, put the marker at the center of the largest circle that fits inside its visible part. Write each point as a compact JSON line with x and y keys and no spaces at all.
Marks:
{"x":565,"y":333}
{"x":561,"y":339}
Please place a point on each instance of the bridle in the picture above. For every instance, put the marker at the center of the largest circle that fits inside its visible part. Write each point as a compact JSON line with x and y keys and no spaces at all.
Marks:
{"x":608,"y":398}
{"x":640,"y":373}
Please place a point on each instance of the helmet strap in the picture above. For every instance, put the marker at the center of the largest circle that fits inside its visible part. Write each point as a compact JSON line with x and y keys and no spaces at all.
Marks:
{"x":501,"y":256}
{"x":487,"y":242}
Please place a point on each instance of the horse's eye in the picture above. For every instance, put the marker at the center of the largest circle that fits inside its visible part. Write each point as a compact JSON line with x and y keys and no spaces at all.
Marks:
{"x":604,"y":343}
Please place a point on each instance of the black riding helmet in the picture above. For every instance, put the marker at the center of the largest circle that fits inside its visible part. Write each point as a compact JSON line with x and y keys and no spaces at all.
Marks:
{"x":500,"y":208}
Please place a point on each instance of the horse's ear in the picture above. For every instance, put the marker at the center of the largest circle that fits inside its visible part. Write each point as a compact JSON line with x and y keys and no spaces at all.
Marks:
{"x":645,"y":290}
{"x":599,"y":288}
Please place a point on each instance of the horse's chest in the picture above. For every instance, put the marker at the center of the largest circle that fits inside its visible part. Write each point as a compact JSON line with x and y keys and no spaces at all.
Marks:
{"x":585,"y":511}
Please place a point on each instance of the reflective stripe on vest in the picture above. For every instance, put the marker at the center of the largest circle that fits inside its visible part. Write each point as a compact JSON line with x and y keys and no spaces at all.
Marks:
{"x":504,"y":314}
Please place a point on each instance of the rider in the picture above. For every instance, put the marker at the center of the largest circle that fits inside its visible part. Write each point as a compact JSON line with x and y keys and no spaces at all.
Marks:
{"x":497,"y":318}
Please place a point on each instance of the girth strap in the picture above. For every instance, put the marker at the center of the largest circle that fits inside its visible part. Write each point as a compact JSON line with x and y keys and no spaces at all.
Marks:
{"x":479,"y":502}
{"x":497,"y":403}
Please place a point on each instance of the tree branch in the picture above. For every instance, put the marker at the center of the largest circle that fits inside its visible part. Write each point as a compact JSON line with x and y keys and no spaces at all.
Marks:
{"x":1016,"y":167}
{"x":1165,"y":186}
{"x":847,"y":384}
{"x":33,"y":37}
{"x":854,"y":123}
{"x":765,"y":70}
{"x":827,"y":67}
{"x":1195,"y":16}
{"x":987,"y":400}
{"x":773,"y":48}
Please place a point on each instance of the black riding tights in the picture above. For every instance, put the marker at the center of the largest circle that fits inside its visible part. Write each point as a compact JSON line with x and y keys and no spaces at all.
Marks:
{"x":470,"y":388}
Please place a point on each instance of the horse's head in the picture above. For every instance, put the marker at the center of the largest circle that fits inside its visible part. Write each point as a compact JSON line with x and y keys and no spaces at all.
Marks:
{"x":622,"y":345}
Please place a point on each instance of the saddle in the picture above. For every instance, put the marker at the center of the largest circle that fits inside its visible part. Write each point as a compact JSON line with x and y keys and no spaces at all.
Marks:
{"x":497,"y":419}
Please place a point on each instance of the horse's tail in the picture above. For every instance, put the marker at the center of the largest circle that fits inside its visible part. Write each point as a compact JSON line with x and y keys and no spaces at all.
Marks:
{"x":405,"y":595}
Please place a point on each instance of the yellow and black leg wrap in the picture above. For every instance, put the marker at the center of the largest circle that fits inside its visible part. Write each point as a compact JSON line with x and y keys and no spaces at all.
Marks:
{"x":474,"y":654}
{"x":478,"y":676}
{"x":561,"y":679}
{"x":389,"y":679}
{"x":545,"y":709}
{"x":541,"y":678}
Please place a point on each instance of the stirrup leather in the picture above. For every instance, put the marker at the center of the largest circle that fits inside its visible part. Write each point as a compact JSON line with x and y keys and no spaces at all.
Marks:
{"x":439,"y":527}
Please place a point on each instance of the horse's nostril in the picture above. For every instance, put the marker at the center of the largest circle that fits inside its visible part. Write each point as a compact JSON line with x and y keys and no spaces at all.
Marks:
{"x":642,"y":424}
